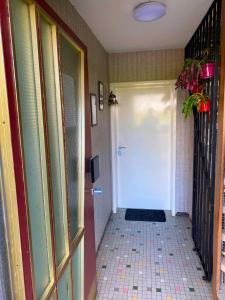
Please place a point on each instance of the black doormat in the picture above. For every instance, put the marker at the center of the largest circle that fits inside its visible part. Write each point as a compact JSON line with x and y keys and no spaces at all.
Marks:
{"x":148,"y":215}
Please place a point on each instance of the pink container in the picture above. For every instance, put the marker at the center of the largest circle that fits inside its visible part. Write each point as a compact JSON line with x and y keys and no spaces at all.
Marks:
{"x":207,"y":71}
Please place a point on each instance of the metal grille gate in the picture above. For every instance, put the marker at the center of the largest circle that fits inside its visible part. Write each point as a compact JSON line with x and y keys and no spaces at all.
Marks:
{"x":207,"y":36}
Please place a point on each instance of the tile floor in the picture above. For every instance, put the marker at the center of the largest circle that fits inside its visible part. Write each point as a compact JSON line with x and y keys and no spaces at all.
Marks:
{"x":222,"y":292}
{"x":221,"y":295}
{"x":144,"y":260}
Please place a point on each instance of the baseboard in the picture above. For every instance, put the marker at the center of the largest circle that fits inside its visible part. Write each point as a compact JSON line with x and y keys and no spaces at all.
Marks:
{"x":93,"y":291}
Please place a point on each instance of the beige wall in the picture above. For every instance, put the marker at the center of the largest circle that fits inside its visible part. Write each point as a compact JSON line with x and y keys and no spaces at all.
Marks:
{"x":98,"y":70}
{"x":184,"y":158}
{"x":145,"y":66}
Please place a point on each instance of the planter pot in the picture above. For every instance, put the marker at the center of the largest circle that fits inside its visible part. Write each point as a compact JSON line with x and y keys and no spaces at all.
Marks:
{"x":207,"y":71}
{"x":204,"y":107}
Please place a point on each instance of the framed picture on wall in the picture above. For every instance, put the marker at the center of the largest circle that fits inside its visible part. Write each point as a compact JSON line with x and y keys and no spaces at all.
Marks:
{"x":101,"y":93}
{"x":93,"y":102}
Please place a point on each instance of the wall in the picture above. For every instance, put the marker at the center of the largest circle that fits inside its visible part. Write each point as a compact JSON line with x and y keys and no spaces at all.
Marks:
{"x":98,"y":70}
{"x":184,"y":158}
{"x":145,"y":66}
{"x":162,"y":65}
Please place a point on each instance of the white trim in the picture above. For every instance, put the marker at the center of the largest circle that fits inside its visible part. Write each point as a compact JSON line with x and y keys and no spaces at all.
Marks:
{"x":173,"y":155}
{"x":113,"y":120}
{"x":116,"y":85}
{"x":114,"y":131}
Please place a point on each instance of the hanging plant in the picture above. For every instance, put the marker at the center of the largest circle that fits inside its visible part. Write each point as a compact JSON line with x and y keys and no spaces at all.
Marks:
{"x":189,"y":76}
{"x":196,"y":70}
{"x":199,"y":100}
{"x":192,"y":78}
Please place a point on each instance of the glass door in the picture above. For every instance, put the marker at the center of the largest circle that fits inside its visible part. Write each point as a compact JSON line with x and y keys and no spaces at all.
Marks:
{"x":49,"y":68}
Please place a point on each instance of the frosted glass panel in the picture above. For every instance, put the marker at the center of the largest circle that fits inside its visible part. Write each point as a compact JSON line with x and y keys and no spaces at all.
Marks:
{"x":71,"y":75}
{"x":53,"y":297}
{"x":65,"y":285}
{"x":78,"y":273}
{"x":55,"y":135}
{"x":30,"y":106}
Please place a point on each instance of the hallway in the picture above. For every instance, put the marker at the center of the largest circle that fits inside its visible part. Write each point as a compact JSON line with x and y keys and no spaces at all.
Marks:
{"x":144,"y":260}
{"x":93,"y":119}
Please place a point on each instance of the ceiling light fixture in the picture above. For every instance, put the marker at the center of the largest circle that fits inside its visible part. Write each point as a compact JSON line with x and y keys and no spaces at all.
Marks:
{"x":149,"y":11}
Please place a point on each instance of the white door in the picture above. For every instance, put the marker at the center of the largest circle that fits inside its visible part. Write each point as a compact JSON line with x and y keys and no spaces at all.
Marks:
{"x":144,"y":141}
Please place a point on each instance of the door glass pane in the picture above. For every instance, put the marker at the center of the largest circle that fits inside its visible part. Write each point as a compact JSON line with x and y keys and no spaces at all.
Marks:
{"x":31,"y":117}
{"x":77,"y":264}
{"x":71,"y":60}
{"x":5,"y":287}
{"x":55,"y":136}
{"x":65,"y":285}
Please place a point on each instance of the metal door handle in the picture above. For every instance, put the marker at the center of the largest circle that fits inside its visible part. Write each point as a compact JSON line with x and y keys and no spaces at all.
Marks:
{"x":95,"y":191}
{"x":122,"y":147}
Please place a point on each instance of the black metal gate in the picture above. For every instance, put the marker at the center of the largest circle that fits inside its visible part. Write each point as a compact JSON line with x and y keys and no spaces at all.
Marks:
{"x":207,"y":36}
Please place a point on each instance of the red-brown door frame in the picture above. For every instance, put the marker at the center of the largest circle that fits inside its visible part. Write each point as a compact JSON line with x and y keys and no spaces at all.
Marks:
{"x":16,"y":147}
{"x":89,"y":238}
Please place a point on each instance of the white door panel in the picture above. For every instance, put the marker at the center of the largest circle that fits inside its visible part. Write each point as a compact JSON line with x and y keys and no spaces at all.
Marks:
{"x":144,"y":145}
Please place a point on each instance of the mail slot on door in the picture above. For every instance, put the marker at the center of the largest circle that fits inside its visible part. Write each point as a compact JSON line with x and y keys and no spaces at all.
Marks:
{"x":95,"y":168}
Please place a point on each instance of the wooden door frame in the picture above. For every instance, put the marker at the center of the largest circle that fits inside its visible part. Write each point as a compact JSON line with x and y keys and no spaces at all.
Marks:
{"x":114,"y":143}
{"x":219,"y":176}
{"x":8,"y":187}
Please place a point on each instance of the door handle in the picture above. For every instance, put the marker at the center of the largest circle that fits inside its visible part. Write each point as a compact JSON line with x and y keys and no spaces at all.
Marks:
{"x":95,"y":191}
{"x":120,"y":148}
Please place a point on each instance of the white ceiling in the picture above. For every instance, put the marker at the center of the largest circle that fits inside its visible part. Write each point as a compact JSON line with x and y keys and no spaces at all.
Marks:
{"x":114,"y":26}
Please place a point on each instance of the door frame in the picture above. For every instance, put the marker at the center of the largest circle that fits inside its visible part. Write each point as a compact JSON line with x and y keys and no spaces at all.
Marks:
{"x":8,"y":191}
{"x":114,"y":141}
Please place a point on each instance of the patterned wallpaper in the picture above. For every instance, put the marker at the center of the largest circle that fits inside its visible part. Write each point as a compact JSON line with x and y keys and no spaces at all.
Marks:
{"x":145,"y":66}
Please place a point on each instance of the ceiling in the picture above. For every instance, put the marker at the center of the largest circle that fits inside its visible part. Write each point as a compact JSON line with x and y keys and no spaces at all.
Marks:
{"x":114,"y":26}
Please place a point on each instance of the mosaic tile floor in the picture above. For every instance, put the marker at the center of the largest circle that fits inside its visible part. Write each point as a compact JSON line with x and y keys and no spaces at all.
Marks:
{"x":222,"y":292}
{"x":144,"y":260}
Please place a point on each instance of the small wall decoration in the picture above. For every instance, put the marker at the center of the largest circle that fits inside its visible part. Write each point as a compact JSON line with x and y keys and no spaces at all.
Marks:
{"x":112,"y":99}
{"x":101,"y":93}
{"x":93,"y":101}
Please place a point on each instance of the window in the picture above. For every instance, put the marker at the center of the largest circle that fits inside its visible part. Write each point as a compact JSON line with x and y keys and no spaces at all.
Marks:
{"x":55,"y":135}
{"x":71,"y":59}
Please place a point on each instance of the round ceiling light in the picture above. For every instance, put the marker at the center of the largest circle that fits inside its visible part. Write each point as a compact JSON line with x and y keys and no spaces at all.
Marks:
{"x":149,"y":11}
